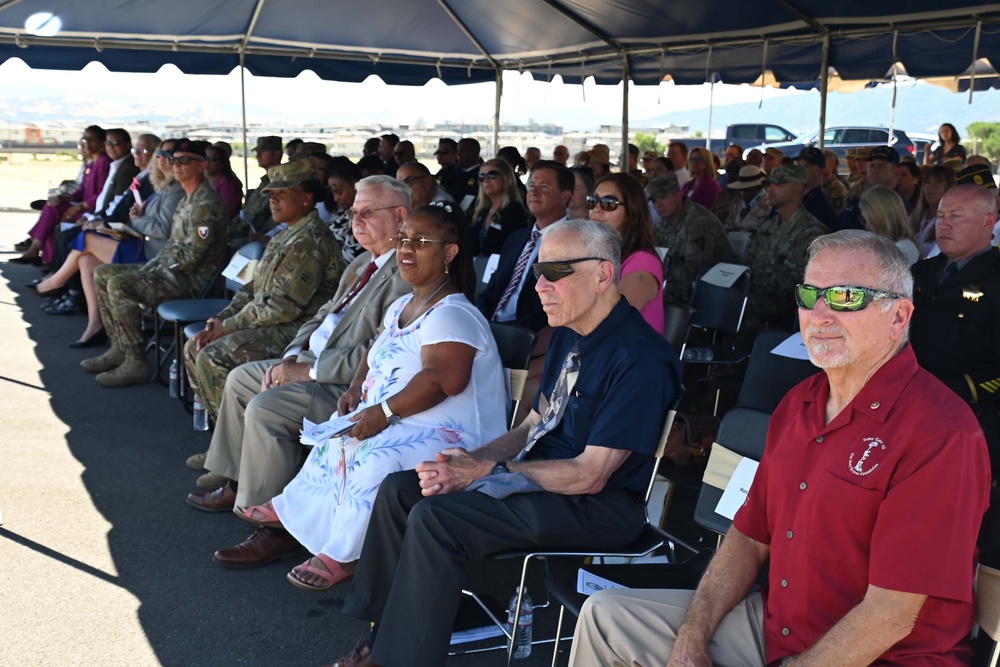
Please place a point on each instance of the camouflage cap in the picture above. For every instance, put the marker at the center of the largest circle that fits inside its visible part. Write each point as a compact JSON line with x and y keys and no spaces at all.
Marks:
{"x":977,"y":174}
{"x":863,"y":152}
{"x":662,"y":186}
{"x":308,"y":149}
{"x":788,"y":173}
{"x":268,"y":143}
{"x":290,"y":174}
{"x":884,"y":154}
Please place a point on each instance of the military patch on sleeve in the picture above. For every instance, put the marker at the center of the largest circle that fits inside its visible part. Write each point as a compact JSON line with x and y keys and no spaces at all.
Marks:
{"x":305,"y":277}
{"x":204,"y":231}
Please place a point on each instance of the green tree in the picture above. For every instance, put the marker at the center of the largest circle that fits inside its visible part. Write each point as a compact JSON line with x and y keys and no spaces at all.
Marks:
{"x":698,"y":134}
{"x":647,"y":142}
{"x":983,"y":138}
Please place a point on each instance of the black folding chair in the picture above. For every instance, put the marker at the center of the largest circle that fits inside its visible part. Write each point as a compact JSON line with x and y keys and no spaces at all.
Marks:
{"x":741,"y":434}
{"x":770,"y":376}
{"x":676,"y":325}
{"x":515,"y":344}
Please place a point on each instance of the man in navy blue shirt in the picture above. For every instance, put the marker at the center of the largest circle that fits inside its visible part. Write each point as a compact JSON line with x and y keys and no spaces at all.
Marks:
{"x":579,"y":486}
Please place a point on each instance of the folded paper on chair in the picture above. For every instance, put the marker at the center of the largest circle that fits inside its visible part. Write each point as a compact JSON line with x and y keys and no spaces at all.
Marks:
{"x":588,"y":584}
{"x":737,"y":489}
{"x":724,"y":275}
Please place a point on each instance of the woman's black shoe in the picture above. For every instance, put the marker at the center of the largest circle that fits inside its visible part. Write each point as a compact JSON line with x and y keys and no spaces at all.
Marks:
{"x":99,"y":338}
{"x":30,"y":261}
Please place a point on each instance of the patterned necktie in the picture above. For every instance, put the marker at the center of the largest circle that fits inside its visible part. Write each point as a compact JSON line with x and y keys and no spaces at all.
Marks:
{"x":515,"y":277}
{"x":357,"y":287}
{"x":554,"y":409}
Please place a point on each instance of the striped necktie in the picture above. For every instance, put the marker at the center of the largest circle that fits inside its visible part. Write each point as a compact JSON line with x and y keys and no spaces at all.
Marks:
{"x":519,"y":268}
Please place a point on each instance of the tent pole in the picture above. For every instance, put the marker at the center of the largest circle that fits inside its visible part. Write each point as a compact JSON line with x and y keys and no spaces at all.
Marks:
{"x":711,"y":105}
{"x":623,"y":156}
{"x":243,"y":108}
{"x":892,"y":109}
{"x":824,"y":88}
{"x":975,"y":57}
{"x":496,"y":112}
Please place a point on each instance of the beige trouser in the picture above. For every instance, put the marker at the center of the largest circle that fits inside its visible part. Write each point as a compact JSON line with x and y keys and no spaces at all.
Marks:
{"x":256,"y":439}
{"x":637,"y":628}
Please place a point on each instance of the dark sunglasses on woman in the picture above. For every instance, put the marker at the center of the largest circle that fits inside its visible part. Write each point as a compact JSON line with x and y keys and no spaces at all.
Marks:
{"x":607,"y":203}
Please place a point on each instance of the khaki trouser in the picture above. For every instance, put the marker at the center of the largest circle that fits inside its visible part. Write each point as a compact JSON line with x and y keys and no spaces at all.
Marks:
{"x":256,"y":438}
{"x":637,"y":628}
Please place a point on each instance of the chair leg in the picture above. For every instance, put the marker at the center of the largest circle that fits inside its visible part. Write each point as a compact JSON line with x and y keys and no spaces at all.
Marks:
{"x":994,"y":654}
{"x":555,"y":645}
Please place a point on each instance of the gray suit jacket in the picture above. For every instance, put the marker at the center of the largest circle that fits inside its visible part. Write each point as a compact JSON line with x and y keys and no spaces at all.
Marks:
{"x":358,"y":327}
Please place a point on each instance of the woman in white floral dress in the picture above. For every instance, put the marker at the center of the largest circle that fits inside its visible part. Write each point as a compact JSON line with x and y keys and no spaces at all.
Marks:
{"x":432,"y":380}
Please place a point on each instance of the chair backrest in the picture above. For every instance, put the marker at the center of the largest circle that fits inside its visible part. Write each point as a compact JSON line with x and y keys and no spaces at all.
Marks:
{"x":515,"y":344}
{"x":720,"y":308}
{"x":676,"y":325}
{"x":252,"y":251}
{"x":741,"y":435}
{"x":770,"y":376}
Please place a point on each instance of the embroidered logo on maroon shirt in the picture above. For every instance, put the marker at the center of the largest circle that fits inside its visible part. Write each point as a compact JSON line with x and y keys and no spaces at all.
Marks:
{"x":865,"y":460}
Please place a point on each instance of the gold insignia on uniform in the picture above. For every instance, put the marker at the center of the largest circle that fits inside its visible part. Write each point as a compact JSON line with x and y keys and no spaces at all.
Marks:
{"x":978,"y":179}
{"x":305,"y":277}
{"x":971,"y":293}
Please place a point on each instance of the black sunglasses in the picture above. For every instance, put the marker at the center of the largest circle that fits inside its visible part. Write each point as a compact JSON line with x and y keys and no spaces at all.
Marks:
{"x":185,"y":160}
{"x":607,"y":203}
{"x":840,"y":297}
{"x":554,"y":271}
{"x":483,"y":175}
{"x":163,"y":153}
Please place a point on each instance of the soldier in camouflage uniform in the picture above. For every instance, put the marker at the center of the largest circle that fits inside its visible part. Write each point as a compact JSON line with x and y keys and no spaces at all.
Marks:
{"x":833,"y":187}
{"x":298,"y":273}
{"x":777,"y":255}
{"x":181,"y":270}
{"x":255,"y":219}
{"x":694,"y":237}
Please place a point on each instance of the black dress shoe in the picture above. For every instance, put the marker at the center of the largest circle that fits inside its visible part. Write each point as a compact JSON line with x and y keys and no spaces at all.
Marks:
{"x":30,"y":261}
{"x":38,"y":204}
{"x":23,"y":245}
{"x":99,"y":338}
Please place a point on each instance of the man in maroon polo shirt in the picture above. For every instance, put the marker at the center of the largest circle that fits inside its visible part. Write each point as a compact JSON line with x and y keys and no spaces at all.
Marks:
{"x":867,"y":501}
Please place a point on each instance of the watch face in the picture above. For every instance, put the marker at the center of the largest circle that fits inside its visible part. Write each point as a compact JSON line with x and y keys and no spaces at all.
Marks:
{"x":499,"y":469}
{"x":393,"y":420}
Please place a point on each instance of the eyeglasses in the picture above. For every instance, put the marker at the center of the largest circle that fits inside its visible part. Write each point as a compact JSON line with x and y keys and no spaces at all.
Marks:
{"x":115,"y":143}
{"x":419,"y":243}
{"x":840,"y":297}
{"x":491,"y":175}
{"x":409,"y":180}
{"x":554,"y":271}
{"x":141,"y":151}
{"x":607,"y":203}
{"x":162,"y":153}
{"x":696,"y":158}
{"x":185,"y":160}
{"x":365,"y":213}
{"x":443,"y":152}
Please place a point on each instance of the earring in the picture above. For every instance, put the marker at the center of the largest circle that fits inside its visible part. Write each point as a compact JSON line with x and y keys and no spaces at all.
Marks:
{"x":446,"y":268}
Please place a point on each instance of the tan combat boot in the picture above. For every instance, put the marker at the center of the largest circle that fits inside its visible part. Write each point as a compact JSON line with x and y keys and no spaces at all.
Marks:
{"x":131,"y":371}
{"x":113,"y":358}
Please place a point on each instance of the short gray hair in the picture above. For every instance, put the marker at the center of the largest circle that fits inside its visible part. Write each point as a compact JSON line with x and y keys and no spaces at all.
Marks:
{"x":598,"y":240}
{"x":397,"y":191}
{"x":895,"y":266}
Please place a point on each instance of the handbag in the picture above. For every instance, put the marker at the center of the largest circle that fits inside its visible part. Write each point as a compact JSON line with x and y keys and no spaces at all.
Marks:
{"x":690,"y":439}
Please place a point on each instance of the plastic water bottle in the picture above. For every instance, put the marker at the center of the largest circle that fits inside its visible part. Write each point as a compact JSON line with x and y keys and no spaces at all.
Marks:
{"x":522,"y":638}
{"x":200,"y":415}
{"x":175,"y":380}
{"x":698,"y":354}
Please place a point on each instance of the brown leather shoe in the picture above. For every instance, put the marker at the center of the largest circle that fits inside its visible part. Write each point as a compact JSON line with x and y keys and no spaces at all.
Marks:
{"x":220,"y":500}
{"x":264,"y":546}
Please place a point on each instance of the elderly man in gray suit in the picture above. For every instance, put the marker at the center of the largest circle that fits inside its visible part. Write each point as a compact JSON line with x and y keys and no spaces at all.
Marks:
{"x":255,"y":449}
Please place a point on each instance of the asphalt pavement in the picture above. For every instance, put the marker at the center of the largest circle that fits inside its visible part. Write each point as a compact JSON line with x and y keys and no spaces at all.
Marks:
{"x":101,"y":560}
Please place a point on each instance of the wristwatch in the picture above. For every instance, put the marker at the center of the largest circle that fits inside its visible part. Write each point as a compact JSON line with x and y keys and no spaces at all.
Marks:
{"x":390,"y":416}
{"x":499,"y":468}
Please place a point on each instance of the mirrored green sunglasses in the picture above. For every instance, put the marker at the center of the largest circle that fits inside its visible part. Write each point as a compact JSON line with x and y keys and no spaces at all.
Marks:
{"x":840,"y":297}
